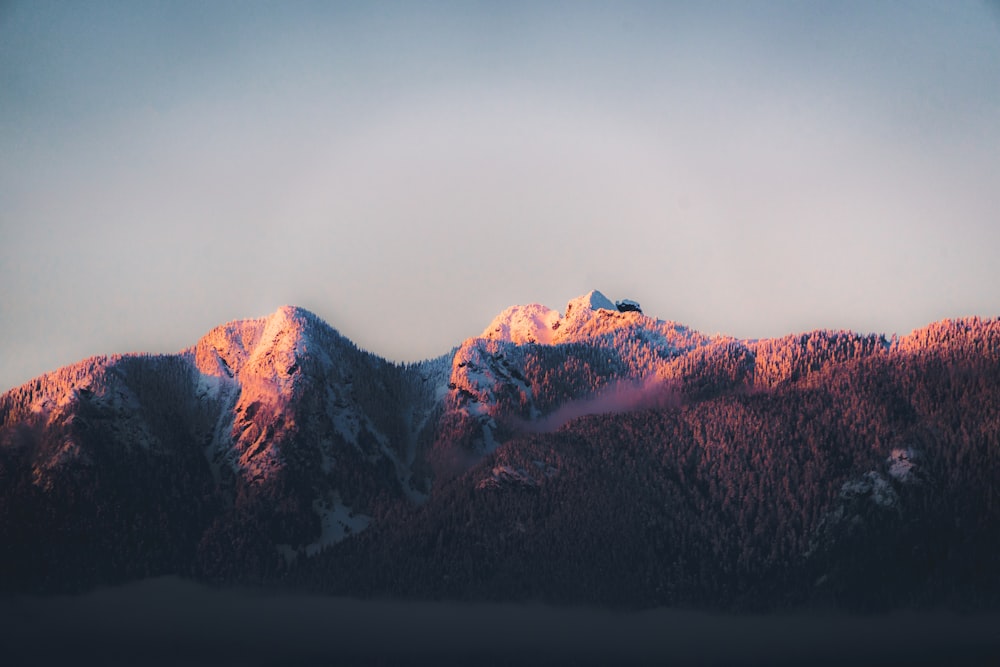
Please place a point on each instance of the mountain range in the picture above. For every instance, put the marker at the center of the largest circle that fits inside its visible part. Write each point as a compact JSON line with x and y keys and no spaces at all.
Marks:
{"x":595,"y":455}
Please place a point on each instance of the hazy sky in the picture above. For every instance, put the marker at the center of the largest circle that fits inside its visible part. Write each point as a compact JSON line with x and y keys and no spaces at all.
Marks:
{"x":407,"y":170}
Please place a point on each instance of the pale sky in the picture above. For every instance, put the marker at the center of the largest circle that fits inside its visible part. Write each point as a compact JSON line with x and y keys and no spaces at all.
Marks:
{"x":407,"y":170}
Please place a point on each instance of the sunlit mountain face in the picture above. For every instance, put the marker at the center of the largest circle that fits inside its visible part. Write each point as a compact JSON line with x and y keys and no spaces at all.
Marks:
{"x":593,"y":455}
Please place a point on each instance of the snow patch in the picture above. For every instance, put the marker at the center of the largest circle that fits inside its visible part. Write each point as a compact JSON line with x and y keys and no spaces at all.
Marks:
{"x":346,"y":421}
{"x":44,"y":404}
{"x":435,"y":374}
{"x":871,"y":484}
{"x":902,"y":465}
{"x":489,"y":442}
{"x":547,"y":470}
{"x":209,"y":387}
{"x":505,"y":475}
{"x":337,"y":521}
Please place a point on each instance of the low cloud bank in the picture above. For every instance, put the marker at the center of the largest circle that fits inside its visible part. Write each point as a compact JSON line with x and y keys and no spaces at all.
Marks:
{"x":172,"y":622}
{"x":617,"y":397}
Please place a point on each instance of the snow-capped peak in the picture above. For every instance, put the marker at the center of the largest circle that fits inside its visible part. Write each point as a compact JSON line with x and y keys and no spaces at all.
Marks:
{"x":533,"y":323}
{"x":592,"y":300}
{"x":258,"y":346}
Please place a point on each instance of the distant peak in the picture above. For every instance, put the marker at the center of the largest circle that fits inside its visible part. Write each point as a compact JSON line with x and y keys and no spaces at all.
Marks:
{"x":535,"y":323}
{"x":592,"y":300}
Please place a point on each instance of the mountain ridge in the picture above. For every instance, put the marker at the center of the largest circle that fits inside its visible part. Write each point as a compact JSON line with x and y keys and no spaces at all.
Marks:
{"x":274,"y":448}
